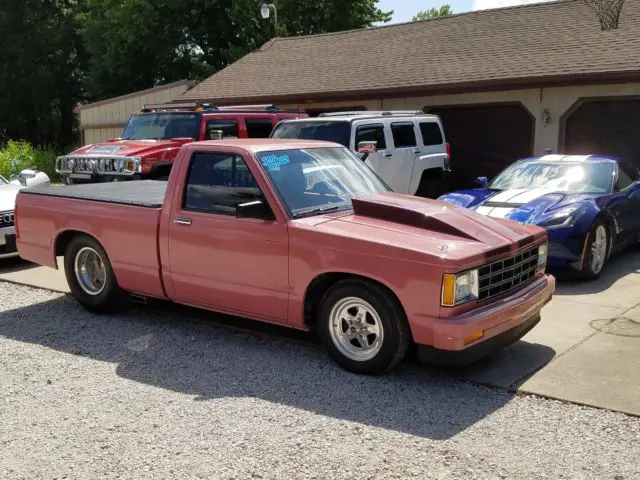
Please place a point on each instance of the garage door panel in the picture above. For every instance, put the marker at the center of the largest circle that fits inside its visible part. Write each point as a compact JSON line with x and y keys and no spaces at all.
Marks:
{"x":485,"y":139}
{"x":605,"y":127}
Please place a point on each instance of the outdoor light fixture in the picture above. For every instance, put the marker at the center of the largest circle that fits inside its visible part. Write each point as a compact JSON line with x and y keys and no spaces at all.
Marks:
{"x":546,"y":117}
{"x":264,"y":11}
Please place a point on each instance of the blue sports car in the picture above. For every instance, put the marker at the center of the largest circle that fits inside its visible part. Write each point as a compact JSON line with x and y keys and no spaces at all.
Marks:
{"x":589,"y":205}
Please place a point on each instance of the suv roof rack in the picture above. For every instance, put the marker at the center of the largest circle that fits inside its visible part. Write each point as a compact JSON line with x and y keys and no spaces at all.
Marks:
{"x":207,"y":107}
{"x":373,"y":113}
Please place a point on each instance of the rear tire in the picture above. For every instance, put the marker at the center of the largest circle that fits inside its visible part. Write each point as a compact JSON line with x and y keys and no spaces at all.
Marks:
{"x":90,"y":276}
{"x":597,"y":251}
{"x":363,"y":328}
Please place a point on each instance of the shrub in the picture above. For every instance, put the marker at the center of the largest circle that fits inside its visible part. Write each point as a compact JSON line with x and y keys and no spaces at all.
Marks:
{"x":40,"y":158}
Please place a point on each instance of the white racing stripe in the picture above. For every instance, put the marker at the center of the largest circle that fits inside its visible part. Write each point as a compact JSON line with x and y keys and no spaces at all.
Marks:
{"x":515,"y":196}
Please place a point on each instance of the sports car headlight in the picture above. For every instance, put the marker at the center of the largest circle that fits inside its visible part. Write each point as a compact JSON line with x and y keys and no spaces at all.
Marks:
{"x":542,"y":257}
{"x":459,"y":288}
{"x":562,"y":218}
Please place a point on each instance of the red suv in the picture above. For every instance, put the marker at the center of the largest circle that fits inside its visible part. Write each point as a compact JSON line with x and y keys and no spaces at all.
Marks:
{"x":151,"y":139}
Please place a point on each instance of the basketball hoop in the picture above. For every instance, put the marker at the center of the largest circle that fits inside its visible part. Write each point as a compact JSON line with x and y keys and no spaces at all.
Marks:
{"x":608,"y":12}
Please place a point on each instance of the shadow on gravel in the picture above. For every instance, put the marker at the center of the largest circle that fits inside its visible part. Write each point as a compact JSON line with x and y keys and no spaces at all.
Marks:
{"x":210,"y":361}
{"x":620,"y":265}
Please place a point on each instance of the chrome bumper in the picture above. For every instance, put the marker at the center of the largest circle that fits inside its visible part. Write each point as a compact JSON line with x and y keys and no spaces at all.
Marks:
{"x":8,"y":247}
{"x":87,"y":164}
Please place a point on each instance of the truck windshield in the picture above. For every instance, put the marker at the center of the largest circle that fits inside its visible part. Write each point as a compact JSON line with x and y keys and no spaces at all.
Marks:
{"x":330,"y":131}
{"x":311,"y":181}
{"x":161,"y":126}
{"x":596,"y":177}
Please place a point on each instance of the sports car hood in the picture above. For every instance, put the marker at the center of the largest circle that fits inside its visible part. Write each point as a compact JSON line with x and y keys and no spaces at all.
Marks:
{"x":131,"y":147}
{"x":8,"y":193}
{"x":529,"y":205}
{"x":448,"y":234}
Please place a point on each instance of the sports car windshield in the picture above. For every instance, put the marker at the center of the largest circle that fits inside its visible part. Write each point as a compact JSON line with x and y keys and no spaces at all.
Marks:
{"x":596,"y":177}
{"x":312,"y":181}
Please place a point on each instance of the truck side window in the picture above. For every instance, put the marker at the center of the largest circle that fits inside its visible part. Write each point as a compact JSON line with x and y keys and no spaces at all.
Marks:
{"x":371,"y":133}
{"x":218,"y":182}
{"x":404,"y":135}
{"x":229,"y":128}
{"x":259,"y":127}
{"x":431,"y":134}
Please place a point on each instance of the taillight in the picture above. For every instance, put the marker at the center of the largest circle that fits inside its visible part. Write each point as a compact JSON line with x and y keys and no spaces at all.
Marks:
{"x":448,"y":159}
{"x":448,"y":150}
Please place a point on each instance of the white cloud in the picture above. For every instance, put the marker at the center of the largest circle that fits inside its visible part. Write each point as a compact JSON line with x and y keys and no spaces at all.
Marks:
{"x":486,"y":4}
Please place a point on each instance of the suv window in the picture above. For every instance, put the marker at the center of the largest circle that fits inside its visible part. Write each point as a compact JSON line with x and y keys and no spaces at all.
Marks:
{"x":431,"y":134}
{"x":218,"y":183}
{"x":330,"y":131}
{"x":371,"y":133}
{"x":627,"y":175}
{"x":259,"y":127}
{"x":404,"y":135}
{"x":229,"y":127}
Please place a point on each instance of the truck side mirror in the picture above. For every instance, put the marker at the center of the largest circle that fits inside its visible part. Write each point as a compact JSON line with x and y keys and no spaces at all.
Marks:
{"x":366,"y":148}
{"x":482,"y":181}
{"x":254,"y":209}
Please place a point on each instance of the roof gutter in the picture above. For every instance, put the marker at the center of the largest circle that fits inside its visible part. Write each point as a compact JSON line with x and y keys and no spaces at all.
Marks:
{"x":432,"y":90}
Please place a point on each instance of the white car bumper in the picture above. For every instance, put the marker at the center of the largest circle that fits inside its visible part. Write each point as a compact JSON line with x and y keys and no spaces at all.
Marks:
{"x":8,"y":242}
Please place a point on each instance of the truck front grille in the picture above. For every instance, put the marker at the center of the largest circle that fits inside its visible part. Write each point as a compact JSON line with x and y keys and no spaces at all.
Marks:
{"x":6,"y":219}
{"x":90,"y":164}
{"x":505,"y":275}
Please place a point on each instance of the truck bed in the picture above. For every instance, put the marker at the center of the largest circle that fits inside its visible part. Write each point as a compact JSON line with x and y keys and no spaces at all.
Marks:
{"x":141,"y":193}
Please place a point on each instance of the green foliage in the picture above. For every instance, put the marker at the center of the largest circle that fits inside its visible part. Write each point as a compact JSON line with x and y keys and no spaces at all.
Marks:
{"x":39,"y":158}
{"x":443,"y":11}
{"x":55,"y":54}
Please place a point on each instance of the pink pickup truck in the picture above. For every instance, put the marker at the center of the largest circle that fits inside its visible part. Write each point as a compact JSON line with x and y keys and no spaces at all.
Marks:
{"x":299,"y":233}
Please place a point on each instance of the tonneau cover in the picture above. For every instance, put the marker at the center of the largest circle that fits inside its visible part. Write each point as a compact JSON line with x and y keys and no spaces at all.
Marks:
{"x":143,"y":193}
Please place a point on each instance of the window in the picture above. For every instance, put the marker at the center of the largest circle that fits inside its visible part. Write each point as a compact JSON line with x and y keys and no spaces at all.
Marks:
{"x":161,"y":126}
{"x":330,"y":130}
{"x":404,"y":135}
{"x":431,"y":134}
{"x":627,"y":175}
{"x":371,"y":133}
{"x":218,"y":183}
{"x":259,"y":127}
{"x":229,"y":128}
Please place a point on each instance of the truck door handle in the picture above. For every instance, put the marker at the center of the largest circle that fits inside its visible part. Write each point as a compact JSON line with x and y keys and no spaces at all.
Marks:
{"x":182,"y":220}
{"x":387,"y":155}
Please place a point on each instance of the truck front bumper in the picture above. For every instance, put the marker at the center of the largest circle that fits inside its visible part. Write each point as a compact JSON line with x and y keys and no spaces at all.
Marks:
{"x":476,"y":334}
{"x":8,"y":247}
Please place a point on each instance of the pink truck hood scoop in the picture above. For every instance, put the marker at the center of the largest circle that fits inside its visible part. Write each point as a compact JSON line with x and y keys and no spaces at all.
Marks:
{"x":440,"y":217}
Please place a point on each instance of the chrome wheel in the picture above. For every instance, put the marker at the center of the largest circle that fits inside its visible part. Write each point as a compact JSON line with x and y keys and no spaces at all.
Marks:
{"x":598,"y":249}
{"x":90,"y":271}
{"x":356,"y":329}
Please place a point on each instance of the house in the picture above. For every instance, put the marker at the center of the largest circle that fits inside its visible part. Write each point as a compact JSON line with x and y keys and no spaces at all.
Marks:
{"x":507,"y":82}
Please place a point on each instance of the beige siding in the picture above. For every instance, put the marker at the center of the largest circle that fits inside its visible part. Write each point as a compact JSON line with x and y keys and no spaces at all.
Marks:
{"x":107,"y":119}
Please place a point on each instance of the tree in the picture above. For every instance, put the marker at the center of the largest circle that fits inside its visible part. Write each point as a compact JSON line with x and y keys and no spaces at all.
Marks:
{"x":136,"y":44}
{"x":443,"y":11}
{"x":41,"y":67}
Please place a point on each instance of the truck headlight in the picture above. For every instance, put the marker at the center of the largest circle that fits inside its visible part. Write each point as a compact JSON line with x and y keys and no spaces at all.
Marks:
{"x":542,"y":257}
{"x":459,"y":288}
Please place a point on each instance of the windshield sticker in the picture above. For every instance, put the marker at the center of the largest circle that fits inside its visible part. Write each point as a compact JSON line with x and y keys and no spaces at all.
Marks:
{"x":274,"y":162}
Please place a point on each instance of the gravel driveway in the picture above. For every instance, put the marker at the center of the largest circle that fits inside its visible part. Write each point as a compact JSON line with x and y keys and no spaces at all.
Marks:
{"x":145,"y":395}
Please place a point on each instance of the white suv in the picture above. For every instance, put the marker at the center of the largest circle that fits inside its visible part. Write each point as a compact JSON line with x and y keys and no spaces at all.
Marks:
{"x":408,"y":150}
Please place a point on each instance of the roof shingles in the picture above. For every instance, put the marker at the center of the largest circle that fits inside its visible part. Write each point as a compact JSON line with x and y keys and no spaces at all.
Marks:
{"x":536,"y":41}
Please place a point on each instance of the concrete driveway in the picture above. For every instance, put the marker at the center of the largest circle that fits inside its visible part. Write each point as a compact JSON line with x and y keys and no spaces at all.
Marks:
{"x":585,"y":349}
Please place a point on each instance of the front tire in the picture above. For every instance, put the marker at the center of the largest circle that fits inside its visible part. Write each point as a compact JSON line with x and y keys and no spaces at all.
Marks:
{"x":90,"y":276}
{"x":363,"y":328}
{"x":597,"y":251}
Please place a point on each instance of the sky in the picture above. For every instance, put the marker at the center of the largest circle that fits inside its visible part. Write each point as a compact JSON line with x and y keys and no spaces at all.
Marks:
{"x":404,"y":10}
